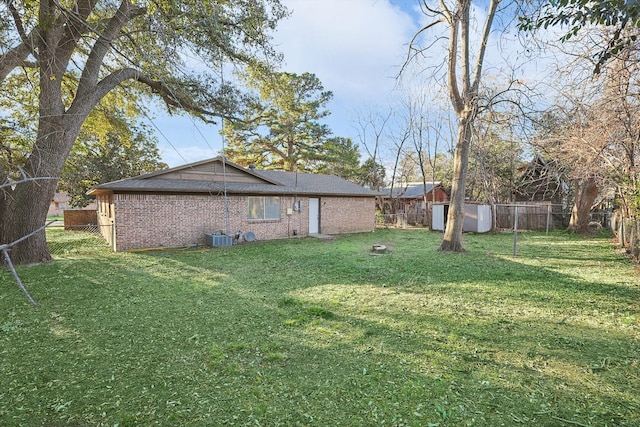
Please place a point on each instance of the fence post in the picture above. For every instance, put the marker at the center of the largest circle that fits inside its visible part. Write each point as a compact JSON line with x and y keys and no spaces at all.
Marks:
{"x":548,"y":217}
{"x":494,"y":218}
{"x":515,"y":234}
{"x":113,"y":236}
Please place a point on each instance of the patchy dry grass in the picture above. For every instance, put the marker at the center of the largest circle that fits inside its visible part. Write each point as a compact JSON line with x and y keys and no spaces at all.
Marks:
{"x":311,"y":332}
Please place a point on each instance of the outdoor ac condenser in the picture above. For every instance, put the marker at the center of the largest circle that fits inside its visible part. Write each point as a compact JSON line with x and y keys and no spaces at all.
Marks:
{"x":216,"y":239}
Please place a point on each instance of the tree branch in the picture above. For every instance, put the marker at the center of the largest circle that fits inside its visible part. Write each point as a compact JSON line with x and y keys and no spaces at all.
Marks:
{"x":413,"y":41}
{"x":464,"y":8}
{"x":483,"y":44}
{"x":24,"y":179}
{"x":17,"y":21}
{"x":76,"y":23}
{"x":16,"y":56}
{"x":89,"y":78}
{"x":452,"y":65}
{"x":81,"y":106}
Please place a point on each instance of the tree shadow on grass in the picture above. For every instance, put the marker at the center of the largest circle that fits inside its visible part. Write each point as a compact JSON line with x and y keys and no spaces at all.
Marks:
{"x":542,"y":352}
{"x":302,"y":337}
{"x":485,"y":381}
{"x":304,"y":263}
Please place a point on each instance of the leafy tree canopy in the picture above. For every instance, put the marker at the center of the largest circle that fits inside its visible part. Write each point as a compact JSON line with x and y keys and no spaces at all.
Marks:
{"x":107,"y":153}
{"x":282,"y":129}
{"x":110,"y":145}
{"x":99,"y":162}
{"x":574,"y":15}
{"x":372,"y":174}
{"x":342,"y":159}
{"x":81,"y":50}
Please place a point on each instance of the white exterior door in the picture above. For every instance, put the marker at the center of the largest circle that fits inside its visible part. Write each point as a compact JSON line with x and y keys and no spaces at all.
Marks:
{"x":314,"y":216}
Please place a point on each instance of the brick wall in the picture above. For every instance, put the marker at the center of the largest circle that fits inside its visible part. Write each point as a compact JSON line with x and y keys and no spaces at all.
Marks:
{"x":157,"y":220}
{"x":162,"y":220}
{"x":339,"y":215}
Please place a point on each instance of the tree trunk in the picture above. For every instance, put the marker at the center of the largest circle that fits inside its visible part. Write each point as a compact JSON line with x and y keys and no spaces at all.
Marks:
{"x":25,"y":208}
{"x":452,"y":240}
{"x":24,"y":211}
{"x":586,"y":191}
{"x":633,"y":244}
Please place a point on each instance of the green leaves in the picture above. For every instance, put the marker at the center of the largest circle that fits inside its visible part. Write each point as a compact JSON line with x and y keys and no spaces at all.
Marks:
{"x":281,"y":128}
{"x":112,"y":145}
{"x":574,"y":15}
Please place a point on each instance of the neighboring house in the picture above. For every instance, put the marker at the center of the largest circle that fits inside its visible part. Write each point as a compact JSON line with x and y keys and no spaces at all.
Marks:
{"x":60,"y":203}
{"x":410,"y":196}
{"x":405,"y":203}
{"x":176,"y":207}
{"x":538,"y":181}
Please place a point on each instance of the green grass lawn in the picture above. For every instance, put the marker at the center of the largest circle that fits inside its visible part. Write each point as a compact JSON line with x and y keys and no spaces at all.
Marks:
{"x":86,"y":240}
{"x":311,"y":332}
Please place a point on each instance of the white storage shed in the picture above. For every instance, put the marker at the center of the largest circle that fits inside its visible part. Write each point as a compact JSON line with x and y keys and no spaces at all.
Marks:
{"x":477,"y":217}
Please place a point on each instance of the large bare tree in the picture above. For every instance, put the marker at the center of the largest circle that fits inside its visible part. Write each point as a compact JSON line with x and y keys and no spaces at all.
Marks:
{"x":464,"y":75}
{"x":593,"y":131}
{"x":83,"y":49}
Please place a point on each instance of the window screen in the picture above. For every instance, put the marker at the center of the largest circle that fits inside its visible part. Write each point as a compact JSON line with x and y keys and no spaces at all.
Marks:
{"x":264,"y":208}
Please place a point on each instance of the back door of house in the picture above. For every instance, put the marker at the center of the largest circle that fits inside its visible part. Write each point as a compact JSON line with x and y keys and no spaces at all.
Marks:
{"x":314,"y":215}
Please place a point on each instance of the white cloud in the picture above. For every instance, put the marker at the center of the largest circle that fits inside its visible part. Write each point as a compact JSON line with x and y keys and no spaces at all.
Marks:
{"x":354,"y":46}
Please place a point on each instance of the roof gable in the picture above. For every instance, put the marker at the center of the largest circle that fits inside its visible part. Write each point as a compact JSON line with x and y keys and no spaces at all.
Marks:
{"x":215,"y":176}
{"x":213,"y":170}
{"x":315,"y":184}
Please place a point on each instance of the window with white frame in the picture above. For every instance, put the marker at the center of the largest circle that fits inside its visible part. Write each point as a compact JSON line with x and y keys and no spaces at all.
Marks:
{"x":263,"y":208}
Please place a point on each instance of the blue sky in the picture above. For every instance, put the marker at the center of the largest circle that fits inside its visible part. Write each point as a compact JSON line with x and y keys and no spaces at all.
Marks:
{"x":355,"y":48}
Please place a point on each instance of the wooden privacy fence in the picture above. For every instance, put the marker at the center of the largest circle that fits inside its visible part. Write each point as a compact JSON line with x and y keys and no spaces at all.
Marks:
{"x":74,"y":218}
{"x":404,"y":220}
{"x":534,"y":217}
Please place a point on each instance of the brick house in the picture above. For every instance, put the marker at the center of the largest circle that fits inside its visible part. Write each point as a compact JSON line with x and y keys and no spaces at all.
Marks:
{"x":59,"y":203}
{"x":539,"y":181}
{"x":176,"y":207}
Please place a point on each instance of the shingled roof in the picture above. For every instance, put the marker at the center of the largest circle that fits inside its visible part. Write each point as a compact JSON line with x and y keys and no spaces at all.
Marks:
{"x":410,"y":190}
{"x":215,"y":176}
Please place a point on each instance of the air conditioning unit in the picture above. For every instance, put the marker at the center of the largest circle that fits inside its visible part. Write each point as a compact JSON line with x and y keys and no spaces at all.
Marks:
{"x":216,"y":239}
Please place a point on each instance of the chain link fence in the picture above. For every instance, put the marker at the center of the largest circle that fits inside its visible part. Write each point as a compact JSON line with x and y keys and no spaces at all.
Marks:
{"x":534,"y":217}
{"x":74,"y":240}
{"x":403,"y":220}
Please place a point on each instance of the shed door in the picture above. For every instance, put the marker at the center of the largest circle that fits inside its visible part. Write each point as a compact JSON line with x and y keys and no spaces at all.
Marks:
{"x":314,"y":216}
{"x":438,"y":220}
